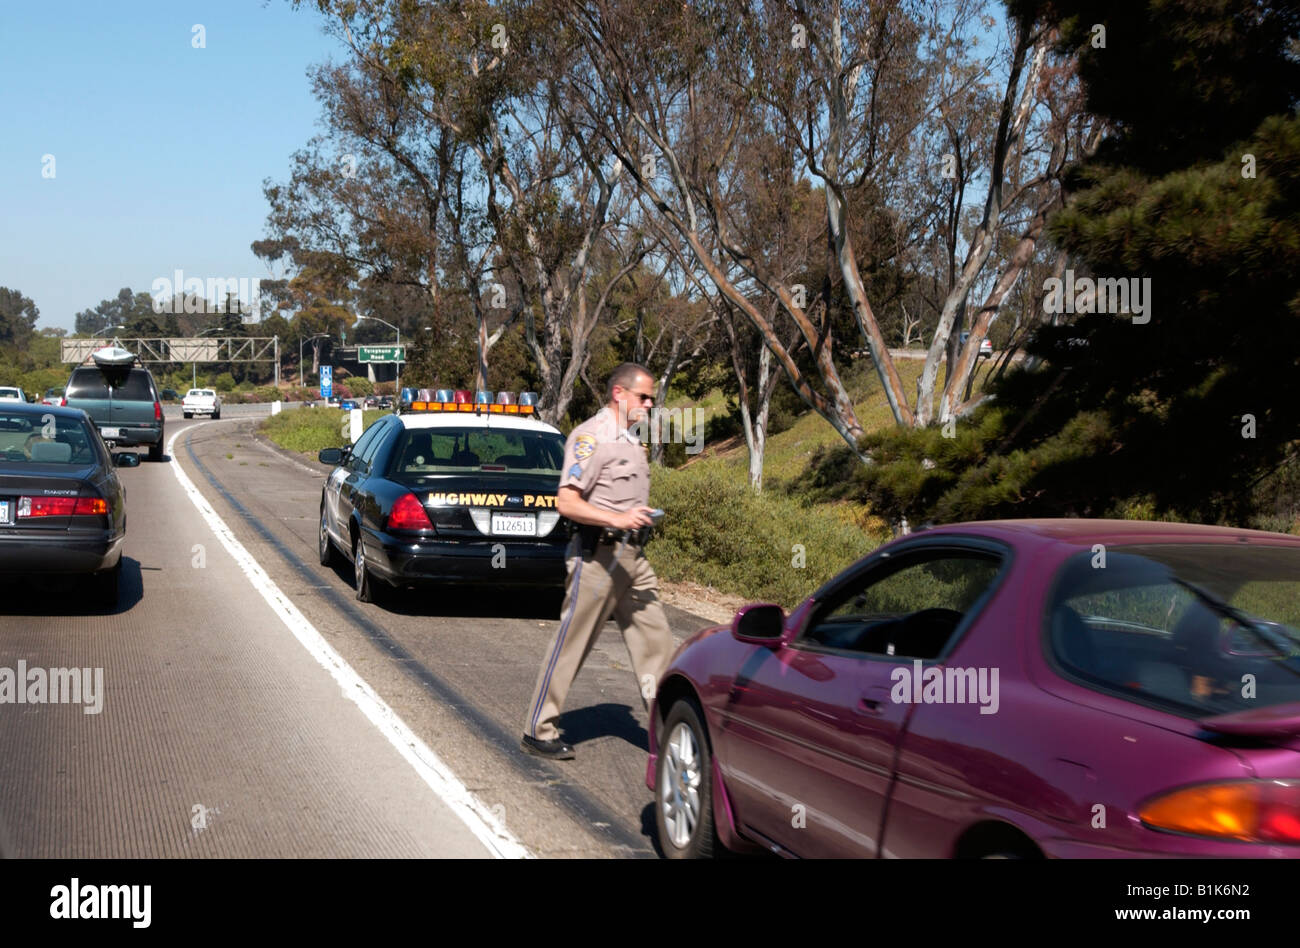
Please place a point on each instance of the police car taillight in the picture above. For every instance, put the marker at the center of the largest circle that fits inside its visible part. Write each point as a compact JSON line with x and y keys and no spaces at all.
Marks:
{"x":408,"y":514}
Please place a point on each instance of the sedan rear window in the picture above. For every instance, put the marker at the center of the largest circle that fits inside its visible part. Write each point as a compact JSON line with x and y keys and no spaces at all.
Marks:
{"x":45,"y":439}
{"x":1198,"y":629}
{"x":454,"y":450}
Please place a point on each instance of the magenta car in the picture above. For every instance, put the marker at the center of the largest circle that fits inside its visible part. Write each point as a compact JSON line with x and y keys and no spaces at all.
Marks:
{"x":1062,"y":688}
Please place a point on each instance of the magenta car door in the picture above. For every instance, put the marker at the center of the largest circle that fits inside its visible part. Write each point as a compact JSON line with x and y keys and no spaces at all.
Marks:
{"x":808,"y":765}
{"x":810,"y":733}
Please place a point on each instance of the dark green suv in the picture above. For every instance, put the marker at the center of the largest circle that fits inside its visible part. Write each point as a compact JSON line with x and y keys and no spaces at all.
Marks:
{"x":122,"y":403}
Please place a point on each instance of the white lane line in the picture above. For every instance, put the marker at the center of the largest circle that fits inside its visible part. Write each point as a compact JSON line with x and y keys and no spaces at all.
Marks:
{"x":482,"y":822}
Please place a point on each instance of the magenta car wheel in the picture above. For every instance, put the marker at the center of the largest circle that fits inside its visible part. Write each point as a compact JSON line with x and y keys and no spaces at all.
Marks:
{"x":684,"y":801}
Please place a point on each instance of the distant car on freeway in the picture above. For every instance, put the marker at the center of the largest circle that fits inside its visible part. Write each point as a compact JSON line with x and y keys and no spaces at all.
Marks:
{"x":977,"y":690}
{"x":62,"y":507}
{"x":121,"y":399}
{"x":10,"y":394}
{"x":386,"y":401}
{"x":171,"y":395}
{"x":433,"y":496}
{"x":348,"y":404}
{"x":52,"y":396}
{"x":201,"y":401}
{"x":986,"y":346}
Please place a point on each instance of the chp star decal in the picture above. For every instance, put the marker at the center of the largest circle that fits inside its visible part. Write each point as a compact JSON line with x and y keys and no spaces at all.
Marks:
{"x":584,"y":447}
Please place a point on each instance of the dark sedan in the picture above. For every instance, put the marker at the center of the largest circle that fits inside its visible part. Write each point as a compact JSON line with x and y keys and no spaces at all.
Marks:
{"x":62,"y":506}
{"x":429,"y":499}
{"x":1063,"y":688}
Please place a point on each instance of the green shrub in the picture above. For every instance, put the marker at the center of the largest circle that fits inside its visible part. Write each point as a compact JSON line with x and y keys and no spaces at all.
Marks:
{"x":719,"y":533}
{"x":360,"y":385}
{"x":224,"y":382}
{"x":267,"y":393}
{"x":308,"y":430}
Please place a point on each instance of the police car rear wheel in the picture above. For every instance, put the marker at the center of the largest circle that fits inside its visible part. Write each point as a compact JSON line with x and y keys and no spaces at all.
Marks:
{"x":684,"y":804}
{"x":367,"y":586}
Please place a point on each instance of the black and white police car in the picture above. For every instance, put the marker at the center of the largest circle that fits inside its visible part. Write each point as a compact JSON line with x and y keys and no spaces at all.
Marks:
{"x":455,"y":487}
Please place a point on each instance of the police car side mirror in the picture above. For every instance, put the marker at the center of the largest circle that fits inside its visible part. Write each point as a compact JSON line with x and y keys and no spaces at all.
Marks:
{"x":330,"y":456}
{"x":759,"y":624}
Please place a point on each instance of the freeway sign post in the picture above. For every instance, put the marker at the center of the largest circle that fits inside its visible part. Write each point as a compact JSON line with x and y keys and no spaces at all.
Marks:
{"x":326,"y":381}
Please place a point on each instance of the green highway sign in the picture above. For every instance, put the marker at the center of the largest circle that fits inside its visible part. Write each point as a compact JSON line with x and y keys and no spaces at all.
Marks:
{"x":381,"y":353}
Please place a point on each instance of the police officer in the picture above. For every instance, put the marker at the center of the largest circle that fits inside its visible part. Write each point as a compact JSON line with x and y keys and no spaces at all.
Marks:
{"x":604,"y":488}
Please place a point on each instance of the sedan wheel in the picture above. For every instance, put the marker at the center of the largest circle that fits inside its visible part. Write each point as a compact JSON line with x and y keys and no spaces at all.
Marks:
{"x":684,"y":801}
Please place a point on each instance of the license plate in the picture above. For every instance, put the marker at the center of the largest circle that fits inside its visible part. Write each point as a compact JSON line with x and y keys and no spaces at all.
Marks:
{"x":6,"y":511}
{"x":514,"y":524}
{"x":110,"y":432}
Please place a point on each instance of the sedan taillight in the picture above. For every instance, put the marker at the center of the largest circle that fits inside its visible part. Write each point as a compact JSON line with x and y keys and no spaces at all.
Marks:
{"x":63,"y":402}
{"x":29,"y":508}
{"x":1256,"y":811}
{"x":408,"y":514}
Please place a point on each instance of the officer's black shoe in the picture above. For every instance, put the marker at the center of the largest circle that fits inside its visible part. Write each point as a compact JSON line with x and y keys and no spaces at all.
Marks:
{"x":553,"y":750}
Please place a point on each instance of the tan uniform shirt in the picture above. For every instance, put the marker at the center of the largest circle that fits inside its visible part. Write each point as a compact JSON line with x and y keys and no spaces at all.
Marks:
{"x":609,"y":467}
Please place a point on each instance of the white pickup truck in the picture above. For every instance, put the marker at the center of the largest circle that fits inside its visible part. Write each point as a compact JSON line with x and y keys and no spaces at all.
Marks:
{"x":201,"y":401}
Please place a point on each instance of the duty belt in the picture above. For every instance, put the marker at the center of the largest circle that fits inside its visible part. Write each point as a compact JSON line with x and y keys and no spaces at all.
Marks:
{"x":591,"y":536}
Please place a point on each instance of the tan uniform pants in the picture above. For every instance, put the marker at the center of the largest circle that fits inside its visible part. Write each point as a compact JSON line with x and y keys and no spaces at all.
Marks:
{"x":605,"y":582}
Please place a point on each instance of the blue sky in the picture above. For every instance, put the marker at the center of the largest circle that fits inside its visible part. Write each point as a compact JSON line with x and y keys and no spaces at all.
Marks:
{"x":160,"y":148}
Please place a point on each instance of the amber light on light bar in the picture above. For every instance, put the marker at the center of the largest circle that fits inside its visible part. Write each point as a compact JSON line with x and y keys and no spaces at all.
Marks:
{"x":494,"y":408}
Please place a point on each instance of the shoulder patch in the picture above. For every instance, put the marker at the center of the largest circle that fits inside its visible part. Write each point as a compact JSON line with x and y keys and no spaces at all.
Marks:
{"x":575,"y":471}
{"x":584,"y":447}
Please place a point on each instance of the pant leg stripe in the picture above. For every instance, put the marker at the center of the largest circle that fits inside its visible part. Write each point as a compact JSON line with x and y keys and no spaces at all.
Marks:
{"x":555,"y":652}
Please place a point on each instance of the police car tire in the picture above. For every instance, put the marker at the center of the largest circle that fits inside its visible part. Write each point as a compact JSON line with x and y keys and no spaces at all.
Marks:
{"x":368,"y":588}
{"x":328,"y":555}
{"x":156,"y":450}
{"x":704,"y":842}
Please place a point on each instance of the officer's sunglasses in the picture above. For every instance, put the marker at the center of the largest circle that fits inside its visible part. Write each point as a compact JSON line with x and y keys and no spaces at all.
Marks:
{"x":643,"y":396}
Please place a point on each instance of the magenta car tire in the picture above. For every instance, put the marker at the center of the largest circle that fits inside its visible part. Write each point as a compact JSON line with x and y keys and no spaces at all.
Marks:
{"x":684,"y":790}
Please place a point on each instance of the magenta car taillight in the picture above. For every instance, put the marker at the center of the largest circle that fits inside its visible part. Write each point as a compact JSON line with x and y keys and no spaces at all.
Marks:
{"x":1257,"y":811}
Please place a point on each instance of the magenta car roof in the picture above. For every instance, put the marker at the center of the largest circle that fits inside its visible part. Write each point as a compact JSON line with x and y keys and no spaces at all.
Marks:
{"x":1083,"y":532}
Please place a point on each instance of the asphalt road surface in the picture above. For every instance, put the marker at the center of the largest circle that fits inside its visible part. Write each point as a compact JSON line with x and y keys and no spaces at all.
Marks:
{"x":251,"y":707}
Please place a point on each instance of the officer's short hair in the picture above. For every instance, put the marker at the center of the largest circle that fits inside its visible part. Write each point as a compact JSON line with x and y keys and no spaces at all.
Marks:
{"x":624,"y":376}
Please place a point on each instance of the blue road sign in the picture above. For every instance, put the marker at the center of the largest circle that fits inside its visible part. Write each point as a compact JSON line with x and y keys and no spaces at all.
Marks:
{"x":326,"y":381}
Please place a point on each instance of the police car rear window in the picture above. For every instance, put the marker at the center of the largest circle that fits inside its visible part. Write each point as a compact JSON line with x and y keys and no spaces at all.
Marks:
{"x":449,"y":450}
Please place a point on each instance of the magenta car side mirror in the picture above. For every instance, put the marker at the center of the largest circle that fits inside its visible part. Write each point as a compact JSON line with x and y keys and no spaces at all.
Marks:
{"x":759,"y":624}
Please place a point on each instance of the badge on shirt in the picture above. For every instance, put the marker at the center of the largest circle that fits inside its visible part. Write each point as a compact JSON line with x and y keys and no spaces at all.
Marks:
{"x":584,"y":447}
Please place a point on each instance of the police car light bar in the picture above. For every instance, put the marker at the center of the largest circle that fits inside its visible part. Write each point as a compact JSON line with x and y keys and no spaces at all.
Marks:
{"x":458,"y":400}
